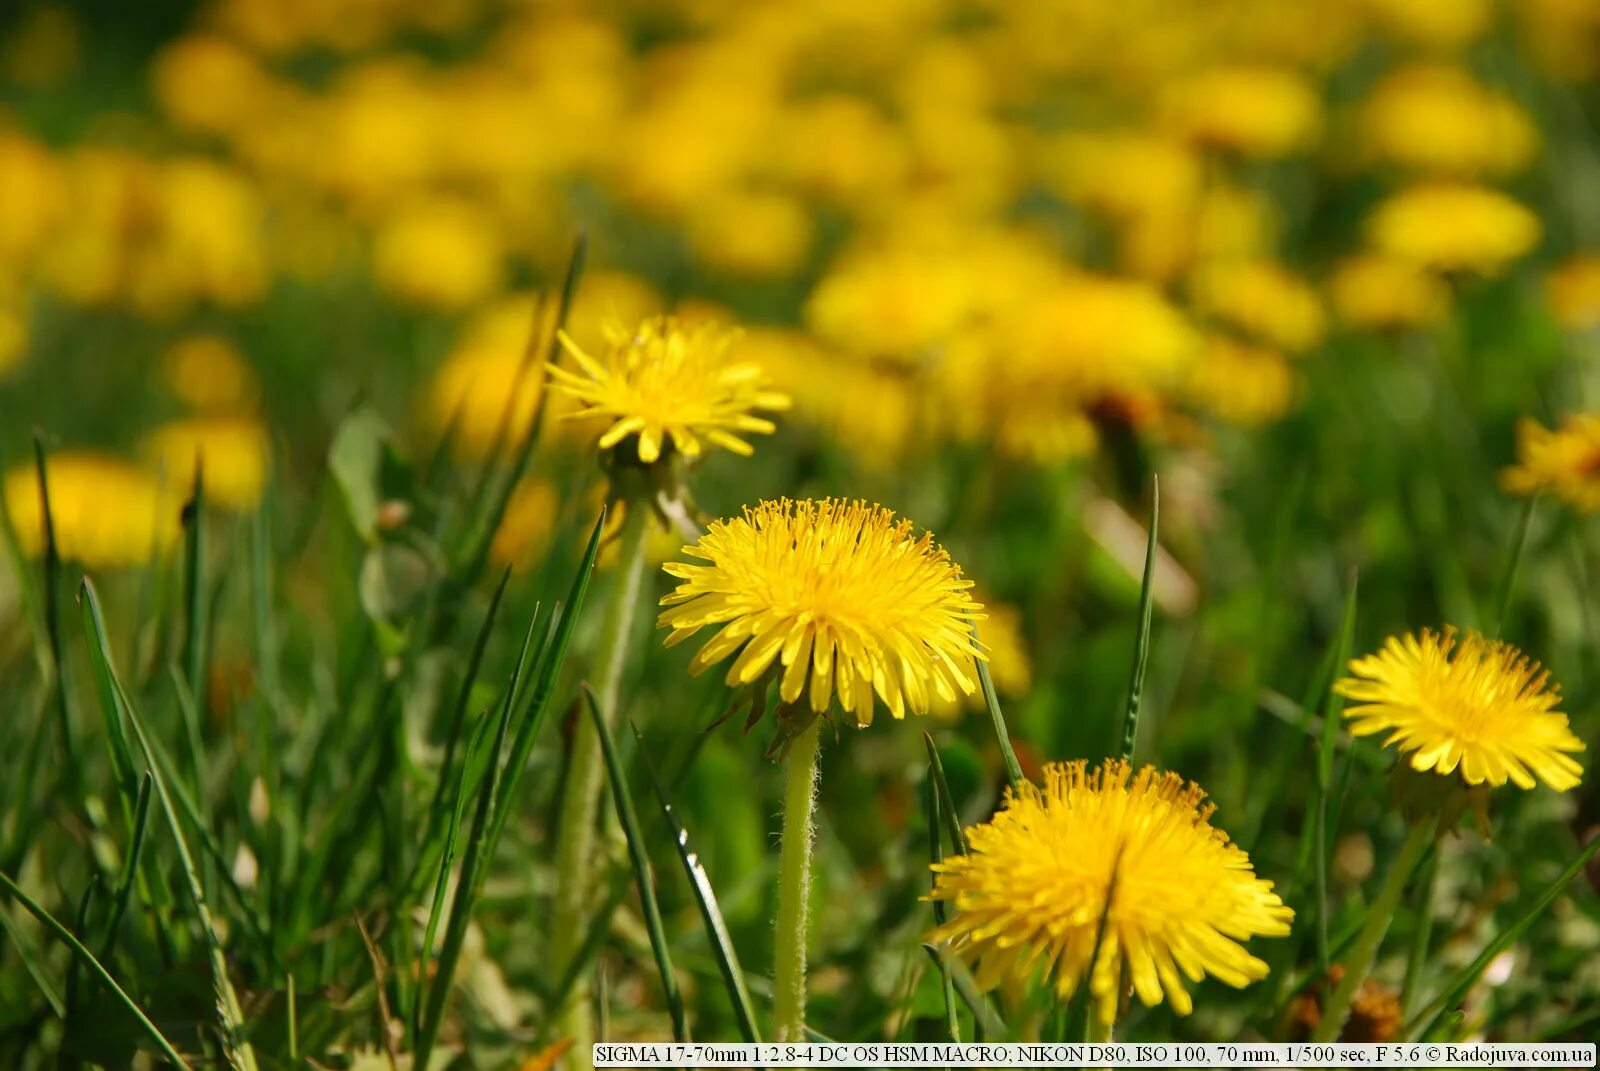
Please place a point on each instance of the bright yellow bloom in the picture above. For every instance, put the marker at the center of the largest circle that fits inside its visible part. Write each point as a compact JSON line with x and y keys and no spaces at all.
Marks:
{"x":1373,"y":290}
{"x":1481,"y":706}
{"x":208,"y":372}
{"x":232,"y":452}
{"x":1261,"y":298}
{"x":1241,"y":384}
{"x":1443,"y":24}
{"x":1010,"y":665}
{"x":1574,"y":291}
{"x":439,"y":253}
{"x":1033,"y":889}
{"x":1258,"y":111}
{"x":1564,"y":461}
{"x":1439,"y":119}
{"x":106,"y":512}
{"x":671,"y":384}
{"x":1454,"y":227}
{"x":838,"y":594}
{"x":751,"y":233}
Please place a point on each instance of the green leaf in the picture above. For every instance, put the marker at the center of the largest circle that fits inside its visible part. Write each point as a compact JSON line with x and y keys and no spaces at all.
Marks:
{"x":641,"y":869}
{"x":1141,"y":641}
{"x":710,"y":912}
{"x":356,"y":460}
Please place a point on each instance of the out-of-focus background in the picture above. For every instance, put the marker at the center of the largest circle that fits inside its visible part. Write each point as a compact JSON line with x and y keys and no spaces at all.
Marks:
{"x":1309,"y":261}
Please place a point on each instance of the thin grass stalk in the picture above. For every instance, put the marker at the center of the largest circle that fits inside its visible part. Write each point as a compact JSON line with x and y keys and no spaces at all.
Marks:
{"x":1417,"y":958}
{"x":794,"y":885}
{"x":1364,"y":952}
{"x":52,"y":617}
{"x":580,"y":799}
{"x":941,"y":910}
{"x":1141,"y":642}
{"x":997,"y":718}
{"x":66,"y":937}
{"x":1507,"y":586}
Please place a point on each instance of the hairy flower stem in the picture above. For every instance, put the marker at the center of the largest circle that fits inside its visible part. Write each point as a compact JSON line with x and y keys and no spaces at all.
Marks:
{"x":1358,"y":962}
{"x":794,"y":886}
{"x":576,"y":866}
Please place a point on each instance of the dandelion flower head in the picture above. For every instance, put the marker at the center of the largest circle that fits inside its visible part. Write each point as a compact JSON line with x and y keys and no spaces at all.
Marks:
{"x":1032,"y":890}
{"x":1478,"y":705}
{"x":847,"y":599}
{"x":1564,"y":461}
{"x":672,"y":385}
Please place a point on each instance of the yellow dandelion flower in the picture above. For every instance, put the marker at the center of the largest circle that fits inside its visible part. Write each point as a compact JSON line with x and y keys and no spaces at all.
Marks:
{"x":1240,"y":383}
{"x":105,"y":511}
{"x":487,"y":385}
{"x":1035,"y":885}
{"x":233,"y":451}
{"x":1454,"y":227}
{"x":672,"y":385}
{"x":1564,"y":461}
{"x":839,"y":594}
{"x":1377,"y":291}
{"x":441,"y":253}
{"x":1573,"y":288}
{"x":1480,"y":706}
{"x":208,"y":373}
{"x":1439,"y":119}
{"x":1258,"y":111}
{"x":1262,"y":298}
{"x":1010,"y":665}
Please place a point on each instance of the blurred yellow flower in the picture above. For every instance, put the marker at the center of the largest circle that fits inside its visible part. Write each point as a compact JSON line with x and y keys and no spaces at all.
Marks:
{"x":1442,"y":24}
{"x":1376,"y":291}
{"x":106,"y":512}
{"x":1257,"y":111}
{"x":1241,"y":384}
{"x":753,"y":232}
{"x":605,"y":297}
{"x":671,"y":384}
{"x":209,"y":84}
{"x":1573,"y":287}
{"x":207,"y":372}
{"x":1481,"y":706}
{"x":15,"y":330}
{"x":1010,"y":665}
{"x":1563,"y":461}
{"x":1260,"y":298}
{"x":840,"y":596}
{"x":525,"y":529}
{"x":42,"y":48}
{"x":1453,"y":227}
{"x":1562,"y":37}
{"x":1137,"y":850}
{"x":841,"y":148}
{"x":1125,"y":173}
{"x":231,"y":450}
{"x":1437,"y":118}
{"x":894,"y":302}
{"x":489,"y":380}
{"x":439,"y":253}
{"x":32,"y":196}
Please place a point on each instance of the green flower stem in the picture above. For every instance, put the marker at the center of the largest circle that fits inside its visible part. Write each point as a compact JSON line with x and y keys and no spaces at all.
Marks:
{"x":794,"y":886}
{"x":576,"y":866}
{"x":1358,"y":964}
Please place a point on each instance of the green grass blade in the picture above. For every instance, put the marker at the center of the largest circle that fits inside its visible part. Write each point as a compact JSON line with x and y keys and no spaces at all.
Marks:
{"x":947,"y":805}
{"x":641,"y":869}
{"x":230,"y":1014}
{"x":52,"y":614}
{"x":130,"y":868}
{"x":105,"y":682}
{"x":996,"y":718}
{"x":1423,"y":1022}
{"x":261,"y":588}
{"x":27,"y":591}
{"x":710,"y":912}
{"x":75,"y":968}
{"x":985,"y":1018}
{"x":196,"y":621}
{"x":941,"y":910}
{"x":473,"y":866}
{"x":1507,"y":585}
{"x":1141,"y":639}
{"x":33,"y":963}
{"x":552,"y":657}
{"x":1333,"y":707}
{"x":66,"y":936}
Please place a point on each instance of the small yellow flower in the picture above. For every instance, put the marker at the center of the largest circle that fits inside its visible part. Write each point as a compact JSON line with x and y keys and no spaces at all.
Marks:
{"x":1240,"y":383}
{"x":1261,"y":298}
{"x":672,"y":385}
{"x":207,"y":372}
{"x":105,"y":511}
{"x":232,"y":451}
{"x":1258,"y":111}
{"x":1454,"y":227}
{"x":1564,"y":461}
{"x":1438,"y":119}
{"x":1010,"y":665}
{"x":1481,"y":706}
{"x":1377,"y":291}
{"x":440,"y":253}
{"x":1574,"y":291}
{"x":839,"y":594}
{"x":1033,"y":889}
{"x":487,"y":386}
